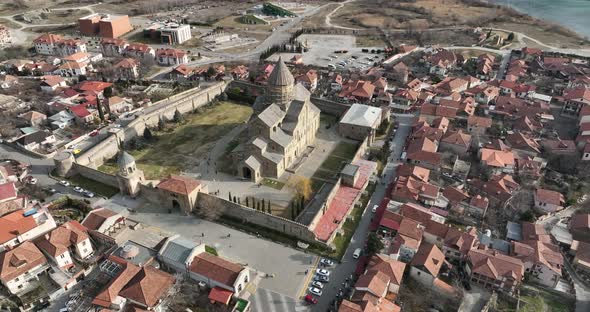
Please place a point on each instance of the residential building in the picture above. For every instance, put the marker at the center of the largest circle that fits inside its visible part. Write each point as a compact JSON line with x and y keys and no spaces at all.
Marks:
{"x":47,"y":43}
{"x":8,"y":81}
{"x":177,"y":253}
{"x":478,"y":125}
{"x":560,"y":147}
{"x":127,"y":69}
{"x":357,"y":90}
{"x":33,"y":118}
{"x":69,"y":46}
{"x":360,"y":122}
{"x":581,"y":252}
{"x":167,"y":57}
{"x":82,"y":114}
{"x":548,"y":201}
{"x":574,"y":100}
{"x":68,"y":239}
{"x":523,"y":145}
{"x":217,"y":272}
{"x":118,"y":104}
{"x":36,"y":140}
{"x":309,"y":80}
{"x":61,"y":120}
{"x":103,"y":220}
{"x":392,"y":268}
{"x":494,"y":270}
{"x":407,"y":241}
{"x":52,"y":83}
{"x":457,"y":142}
{"x":20,"y":226}
{"x":113,"y":47}
{"x":140,"y":51}
{"x":542,"y":260}
{"x":441,"y":62}
{"x":426,"y":264}
{"x":21,"y":266}
{"x":104,"y":25}
{"x":579,"y":226}
{"x":478,"y":206}
{"x":240,"y":72}
{"x":497,"y":161}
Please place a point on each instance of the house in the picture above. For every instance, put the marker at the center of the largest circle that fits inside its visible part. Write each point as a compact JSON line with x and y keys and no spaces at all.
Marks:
{"x":140,"y":51}
{"x":61,"y":120}
{"x":21,"y":266}
{"x":457,"y":142}
{"x":70,"y":238}
{"x":10,"y":200}
{"x":483,"y":93}
{"x":478,"y":206}
{"x":548,"y":201}
{"x":497,"y":161}
{"x":359,"y":90}
{"x":217,"y":272}
{"x":403,"y":99}
{"x":410,"y":189}
{"x":478,"y":125}
{"x":407,"y":240}
{"x":51,"y":83}
{"x":167,"y":57}
{"x":393,"y":269}
{"x":144,"y":287}
{"x":579,"y":226}
{"x":542,"y":260}
{"x":118,"y":104}
{"x":33,"y":118}
{"x":20,"y":226}
{"x":368,"y":305}
{"x":127,"y":69}
{"x":426,"y":264}
{"x":523,"y":145}
{"x":240,"y":72}
{"x":426,"y":159}
{"x":177,"y":253}
{"x":74,"y":69}
{"x":499,"y":187}
{"x":574,"y":100}
{"x":309,"y":80}
{"x":103,"y":220}
{"x":458,"y":243}
{"x":360,"y":122}
{"x":113,"y":47}
{"x":8,"y":81}
{"x":69,"y":46}
{"x":494,"y":270}
{"x":581,"y":252}
{"x":441,"y":62}
{"x":560,"y":147}
{"x":36,"y":140}
{"x":82,"y":114}
{"x":46,"y":43}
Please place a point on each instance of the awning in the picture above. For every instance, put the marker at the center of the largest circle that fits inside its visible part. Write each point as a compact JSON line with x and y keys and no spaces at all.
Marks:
{"x":220,"y":295}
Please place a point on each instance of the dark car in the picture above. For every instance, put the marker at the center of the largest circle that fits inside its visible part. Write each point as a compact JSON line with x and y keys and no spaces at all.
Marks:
{"x":321,"y":278}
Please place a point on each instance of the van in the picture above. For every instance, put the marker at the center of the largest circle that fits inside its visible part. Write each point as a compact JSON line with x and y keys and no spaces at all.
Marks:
{"x":357,"y":253}
{"x":374,"y":208}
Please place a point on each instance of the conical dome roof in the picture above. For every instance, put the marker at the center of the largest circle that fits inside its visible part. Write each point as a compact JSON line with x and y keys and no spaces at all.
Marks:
{"x":281,"y":76}
{"x":125,"y":159}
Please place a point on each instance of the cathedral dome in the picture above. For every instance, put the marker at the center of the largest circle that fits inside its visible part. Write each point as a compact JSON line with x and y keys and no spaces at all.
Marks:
{"x":280,"y":75}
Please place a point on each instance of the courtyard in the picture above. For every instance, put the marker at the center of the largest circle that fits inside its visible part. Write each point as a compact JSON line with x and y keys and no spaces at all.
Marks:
{"x":184,"y":145}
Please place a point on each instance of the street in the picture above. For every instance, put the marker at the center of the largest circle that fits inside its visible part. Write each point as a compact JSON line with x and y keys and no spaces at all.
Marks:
{"x":348,"y":264}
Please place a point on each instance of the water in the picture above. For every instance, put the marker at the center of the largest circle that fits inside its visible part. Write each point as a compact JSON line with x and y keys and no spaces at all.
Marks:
{"x":573,"y":14}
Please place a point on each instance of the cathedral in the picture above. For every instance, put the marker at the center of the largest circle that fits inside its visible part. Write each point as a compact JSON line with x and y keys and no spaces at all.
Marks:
{"x":283,"y":126}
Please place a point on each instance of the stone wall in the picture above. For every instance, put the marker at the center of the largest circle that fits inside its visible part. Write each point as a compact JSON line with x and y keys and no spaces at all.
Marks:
{"x":330,"y":107}
{"x":329,"y":199}
{"x":209,"y":204}
{"x":185,"y":102}
{"x":362,"y":149}
{"x":96,"y":175}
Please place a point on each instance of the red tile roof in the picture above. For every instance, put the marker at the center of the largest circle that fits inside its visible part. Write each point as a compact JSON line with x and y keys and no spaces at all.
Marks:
{"x":15,"y":224}
{"x":580,"y":221}
{"x":15,"y":262}
{"x":96,"y":86}
{"x":221,"y":295}
{"x":179,"y":184}
{"x":7,"y":191}
{"x":148,"y":286}
{"x":97,"y":217}
{"x":62,"y":238}
{"x":216,"y":268}
{"x":429,"y":258}
{"x":494,"y":265}
{"x":80,"y":110}
{"x":550,"y":197}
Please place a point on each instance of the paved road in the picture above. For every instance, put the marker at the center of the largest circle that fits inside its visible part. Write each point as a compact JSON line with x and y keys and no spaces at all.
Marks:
{"x":582,"y":292}
{"x":39,"y":167}
{"x":348,"y":264}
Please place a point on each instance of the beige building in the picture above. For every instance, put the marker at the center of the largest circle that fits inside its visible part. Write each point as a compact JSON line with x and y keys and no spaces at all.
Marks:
{"x":283,"y":126}
{"x":360,"y":121}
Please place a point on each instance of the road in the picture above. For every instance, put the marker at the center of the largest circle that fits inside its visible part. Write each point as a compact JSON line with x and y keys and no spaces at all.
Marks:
{"x":348,"y":264}
{"x":328,"y":20}
{"x":582,"y":292}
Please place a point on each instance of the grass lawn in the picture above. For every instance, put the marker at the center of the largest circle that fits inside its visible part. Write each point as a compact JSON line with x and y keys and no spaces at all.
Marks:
{"x":93,"y":186}
{"x":211,"y":250}
{"x":345,"y":150}
{"x":181,"y":147}
{"x":278,"y":185}
{"x":538,"y":299}
{"x":340,"y":155}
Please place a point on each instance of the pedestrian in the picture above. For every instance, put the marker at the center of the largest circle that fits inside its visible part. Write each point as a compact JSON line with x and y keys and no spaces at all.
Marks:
{"x":306,"y":271}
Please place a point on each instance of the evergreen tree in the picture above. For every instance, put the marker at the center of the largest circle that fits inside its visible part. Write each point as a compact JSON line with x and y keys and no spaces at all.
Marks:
{"x":247,"y":203}
{"x":239,"y":201}
{"x":108,"y":92}
{"x":177,"y":116}
{"x":161,"y":124}
{"x":269,"y":206}
{"x":99,"y":107}
{"x":510,"y":37}
{"x":263,"y":205}
{"x":229,"y":196}
{"x":147,"y":134}
{"x":234,"y":198}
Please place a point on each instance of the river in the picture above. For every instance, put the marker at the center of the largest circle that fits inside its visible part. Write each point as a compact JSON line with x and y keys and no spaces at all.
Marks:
{"x":573,"y":14}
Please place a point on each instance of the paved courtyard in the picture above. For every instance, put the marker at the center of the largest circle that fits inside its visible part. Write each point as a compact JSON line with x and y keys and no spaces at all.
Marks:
{"x":259,"y":254}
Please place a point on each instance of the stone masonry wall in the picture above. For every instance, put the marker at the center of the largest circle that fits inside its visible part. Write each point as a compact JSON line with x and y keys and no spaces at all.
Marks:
{"x":96,"y":175}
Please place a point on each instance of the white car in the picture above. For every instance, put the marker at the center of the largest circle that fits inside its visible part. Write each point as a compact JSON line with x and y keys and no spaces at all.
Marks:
{"x":323,"y":272}
{"x":317,"y":284}
{"x":64,"y":183}
{"x":31,"y":180}
{"x":327,"y":262}
{"x":357,"y":253}
{"x":88,"y":194}
{"x":315,"y":291}
{"x":78,"y":189}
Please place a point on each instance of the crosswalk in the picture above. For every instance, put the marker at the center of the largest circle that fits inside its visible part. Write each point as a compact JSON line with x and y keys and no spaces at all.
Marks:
{"x":265,"y":300}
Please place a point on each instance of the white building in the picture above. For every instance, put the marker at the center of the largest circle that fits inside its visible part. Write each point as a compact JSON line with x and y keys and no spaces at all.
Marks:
{"x":69,"y":47}
{"x":21,"y":266}
{"x":178,"y":253}
{"x":61,"y":242}
{"x":61,"y":120}
{"x":46,"y":44}
{"x":218,"y":272}
{"x":21,"y":226}
{"x":167,"y":57}
{"x":169,"y":33}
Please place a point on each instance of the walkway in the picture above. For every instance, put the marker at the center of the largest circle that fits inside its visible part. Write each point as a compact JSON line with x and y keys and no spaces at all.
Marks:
{"x":328,"y":20}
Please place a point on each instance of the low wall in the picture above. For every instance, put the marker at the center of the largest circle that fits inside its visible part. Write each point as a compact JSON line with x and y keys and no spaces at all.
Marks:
{"x":362,"y":149}
{"x":96,"y":175}
{"x":330,"y":107}
{"x":28,"y":152}
{"x":212,"y":205}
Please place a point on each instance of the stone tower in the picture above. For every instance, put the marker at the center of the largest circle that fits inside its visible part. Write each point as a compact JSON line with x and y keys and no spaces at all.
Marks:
{"x":129,"y":176}
{"x":64,"y":161}
{"x":279,"y":89}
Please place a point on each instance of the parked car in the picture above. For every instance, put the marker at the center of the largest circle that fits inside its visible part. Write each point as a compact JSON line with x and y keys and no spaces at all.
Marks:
{"x":78,"y":189}
{"x":88,"y":194}
{"x":31,"y":180}
{"x":64,"y":183}
{"x":317,"y":284}
{"x":327,"y":262}
{"x":50,"y":190}
{"x":77,"y":151}
{"x":93,"y":133}
{"x":310,"y":299}
{"x":323,"y":272}
{"x":315,"y":291}
{"x":321,"y":278}
{"x":374,"y":209}
{"x":357,"y":253}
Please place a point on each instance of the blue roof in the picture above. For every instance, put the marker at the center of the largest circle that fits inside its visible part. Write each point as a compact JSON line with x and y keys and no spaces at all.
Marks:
{"x":513,"y":231}
{"x":178,"y":249}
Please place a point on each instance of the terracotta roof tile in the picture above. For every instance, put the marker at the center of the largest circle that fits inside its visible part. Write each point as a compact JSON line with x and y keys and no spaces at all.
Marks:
{"x":179,"y":184}
{"x":216,"y":268}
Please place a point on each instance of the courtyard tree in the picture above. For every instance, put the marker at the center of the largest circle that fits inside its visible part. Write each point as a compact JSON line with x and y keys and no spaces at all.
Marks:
{"x":302,"y":186}
{"x":177,"y":116}
{"x":374,"y":244}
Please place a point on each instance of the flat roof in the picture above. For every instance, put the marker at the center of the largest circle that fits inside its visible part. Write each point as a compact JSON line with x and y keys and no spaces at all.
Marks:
{"x":362,"y":115}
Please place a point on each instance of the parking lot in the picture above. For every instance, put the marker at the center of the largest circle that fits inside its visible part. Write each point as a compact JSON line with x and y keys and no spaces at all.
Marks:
{"x":322,"y":52}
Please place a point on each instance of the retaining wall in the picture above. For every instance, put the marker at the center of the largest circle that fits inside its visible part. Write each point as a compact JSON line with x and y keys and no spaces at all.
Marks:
{"x":209,"y":204}
{"x":330,"y":107}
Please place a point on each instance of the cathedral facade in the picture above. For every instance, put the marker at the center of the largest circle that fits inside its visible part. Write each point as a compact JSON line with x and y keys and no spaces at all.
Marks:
{"x":283,"y":126}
